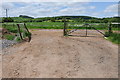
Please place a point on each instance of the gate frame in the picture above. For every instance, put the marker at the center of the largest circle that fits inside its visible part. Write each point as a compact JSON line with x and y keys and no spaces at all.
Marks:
{"x":65,"y":33}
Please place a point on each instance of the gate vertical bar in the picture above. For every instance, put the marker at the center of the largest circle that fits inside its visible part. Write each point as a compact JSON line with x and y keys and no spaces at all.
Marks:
{"x":109,"y":28}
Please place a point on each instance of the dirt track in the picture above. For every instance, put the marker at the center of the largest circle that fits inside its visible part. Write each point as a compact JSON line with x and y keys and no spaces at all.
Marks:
{"x":50,"y":55}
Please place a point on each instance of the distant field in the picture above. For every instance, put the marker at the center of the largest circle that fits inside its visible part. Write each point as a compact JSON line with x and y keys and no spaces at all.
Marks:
{"x":45,"y":25}
{"x":60,"y":25}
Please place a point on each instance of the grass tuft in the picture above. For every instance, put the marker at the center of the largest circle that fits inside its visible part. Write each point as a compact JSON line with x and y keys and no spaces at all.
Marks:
{"x":114,"y":37}
{"x":9,"y":37}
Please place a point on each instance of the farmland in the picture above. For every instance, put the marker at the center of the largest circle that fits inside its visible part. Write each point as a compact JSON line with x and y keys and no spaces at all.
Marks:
{"x":59,"y":40}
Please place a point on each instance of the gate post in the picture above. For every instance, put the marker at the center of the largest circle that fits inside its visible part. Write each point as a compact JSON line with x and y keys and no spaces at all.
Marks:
{"x":86,"y":29}
{"x":64,"y":30}
{"x":109,"y":28}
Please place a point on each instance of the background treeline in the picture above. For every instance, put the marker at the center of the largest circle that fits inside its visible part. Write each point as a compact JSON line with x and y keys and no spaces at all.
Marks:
{"x":82,"y":19}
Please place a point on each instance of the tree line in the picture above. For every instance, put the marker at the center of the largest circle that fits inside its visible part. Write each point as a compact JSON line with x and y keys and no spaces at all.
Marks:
{"x":82,"y":19}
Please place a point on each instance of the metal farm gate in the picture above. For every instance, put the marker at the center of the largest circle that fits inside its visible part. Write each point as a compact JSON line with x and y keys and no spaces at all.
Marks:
{"x":85,"y":29}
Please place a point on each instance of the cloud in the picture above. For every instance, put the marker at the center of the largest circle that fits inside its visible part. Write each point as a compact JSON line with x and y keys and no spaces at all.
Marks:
{"x":47,"y":8}
{"x":7,"y":5}
{"x":111,"y":8}
{"x":46,"y":0}
{"x":60,"y":0}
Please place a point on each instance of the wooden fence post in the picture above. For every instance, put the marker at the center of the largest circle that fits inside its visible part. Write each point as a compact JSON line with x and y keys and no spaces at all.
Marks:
{"x":26,"y":28}
{"x":19,"y":31}
{"x":28,"y":32}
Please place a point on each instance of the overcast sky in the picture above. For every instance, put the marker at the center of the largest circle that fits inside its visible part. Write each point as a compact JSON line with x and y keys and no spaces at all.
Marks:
{"x":49,"y":9}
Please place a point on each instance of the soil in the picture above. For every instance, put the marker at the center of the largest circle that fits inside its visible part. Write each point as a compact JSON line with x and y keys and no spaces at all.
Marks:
{"x":51,"y":55}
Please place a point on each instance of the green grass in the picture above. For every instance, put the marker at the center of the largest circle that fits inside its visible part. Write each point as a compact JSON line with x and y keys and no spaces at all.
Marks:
{"x":59,"y":25}
{"x":56,"y":25}
{"x":10,"y":27}
{"x":45,"y":25}
{"x":9,"y":37}
{"x":114,"y":37}
{"x":18,"y":39}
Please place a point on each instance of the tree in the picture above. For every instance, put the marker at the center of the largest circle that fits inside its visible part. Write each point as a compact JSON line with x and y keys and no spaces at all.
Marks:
{"x":24,"y":16}
{"x":52,"y":20}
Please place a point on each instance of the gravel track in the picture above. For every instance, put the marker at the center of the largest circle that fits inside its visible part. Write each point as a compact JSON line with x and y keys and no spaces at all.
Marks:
{"x":7,"y":43}
{"x":50,"y":55}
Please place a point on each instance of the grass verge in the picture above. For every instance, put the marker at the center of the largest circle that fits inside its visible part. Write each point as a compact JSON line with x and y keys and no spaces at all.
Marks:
{"x":9,"y":37}
{"x":114,"y":37}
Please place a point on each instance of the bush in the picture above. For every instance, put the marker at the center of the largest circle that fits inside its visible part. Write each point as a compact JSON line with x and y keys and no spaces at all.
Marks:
{"x":9,"y":37}
{"x":114,"y":37}
{"x":28,"y":34}
{"x":18,"y":39}
{"x":107,"y":34}
{"x":25,"y":16}
{"x":7,"y":19}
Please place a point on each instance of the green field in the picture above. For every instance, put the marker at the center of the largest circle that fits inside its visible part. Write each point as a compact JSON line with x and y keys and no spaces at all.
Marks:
{"x":45,"y":25}
{"x":58,"y":25}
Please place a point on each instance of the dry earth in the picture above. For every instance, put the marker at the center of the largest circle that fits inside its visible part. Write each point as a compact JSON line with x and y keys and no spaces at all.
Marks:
{"x":50,"y":55}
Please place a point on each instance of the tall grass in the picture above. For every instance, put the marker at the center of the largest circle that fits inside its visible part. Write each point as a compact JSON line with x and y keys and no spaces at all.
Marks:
{"x":9,"y":37}
{"x":114,"y":37}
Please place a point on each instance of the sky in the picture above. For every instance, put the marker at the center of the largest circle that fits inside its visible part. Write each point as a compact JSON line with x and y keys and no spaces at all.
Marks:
{"x":50,"y":9}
